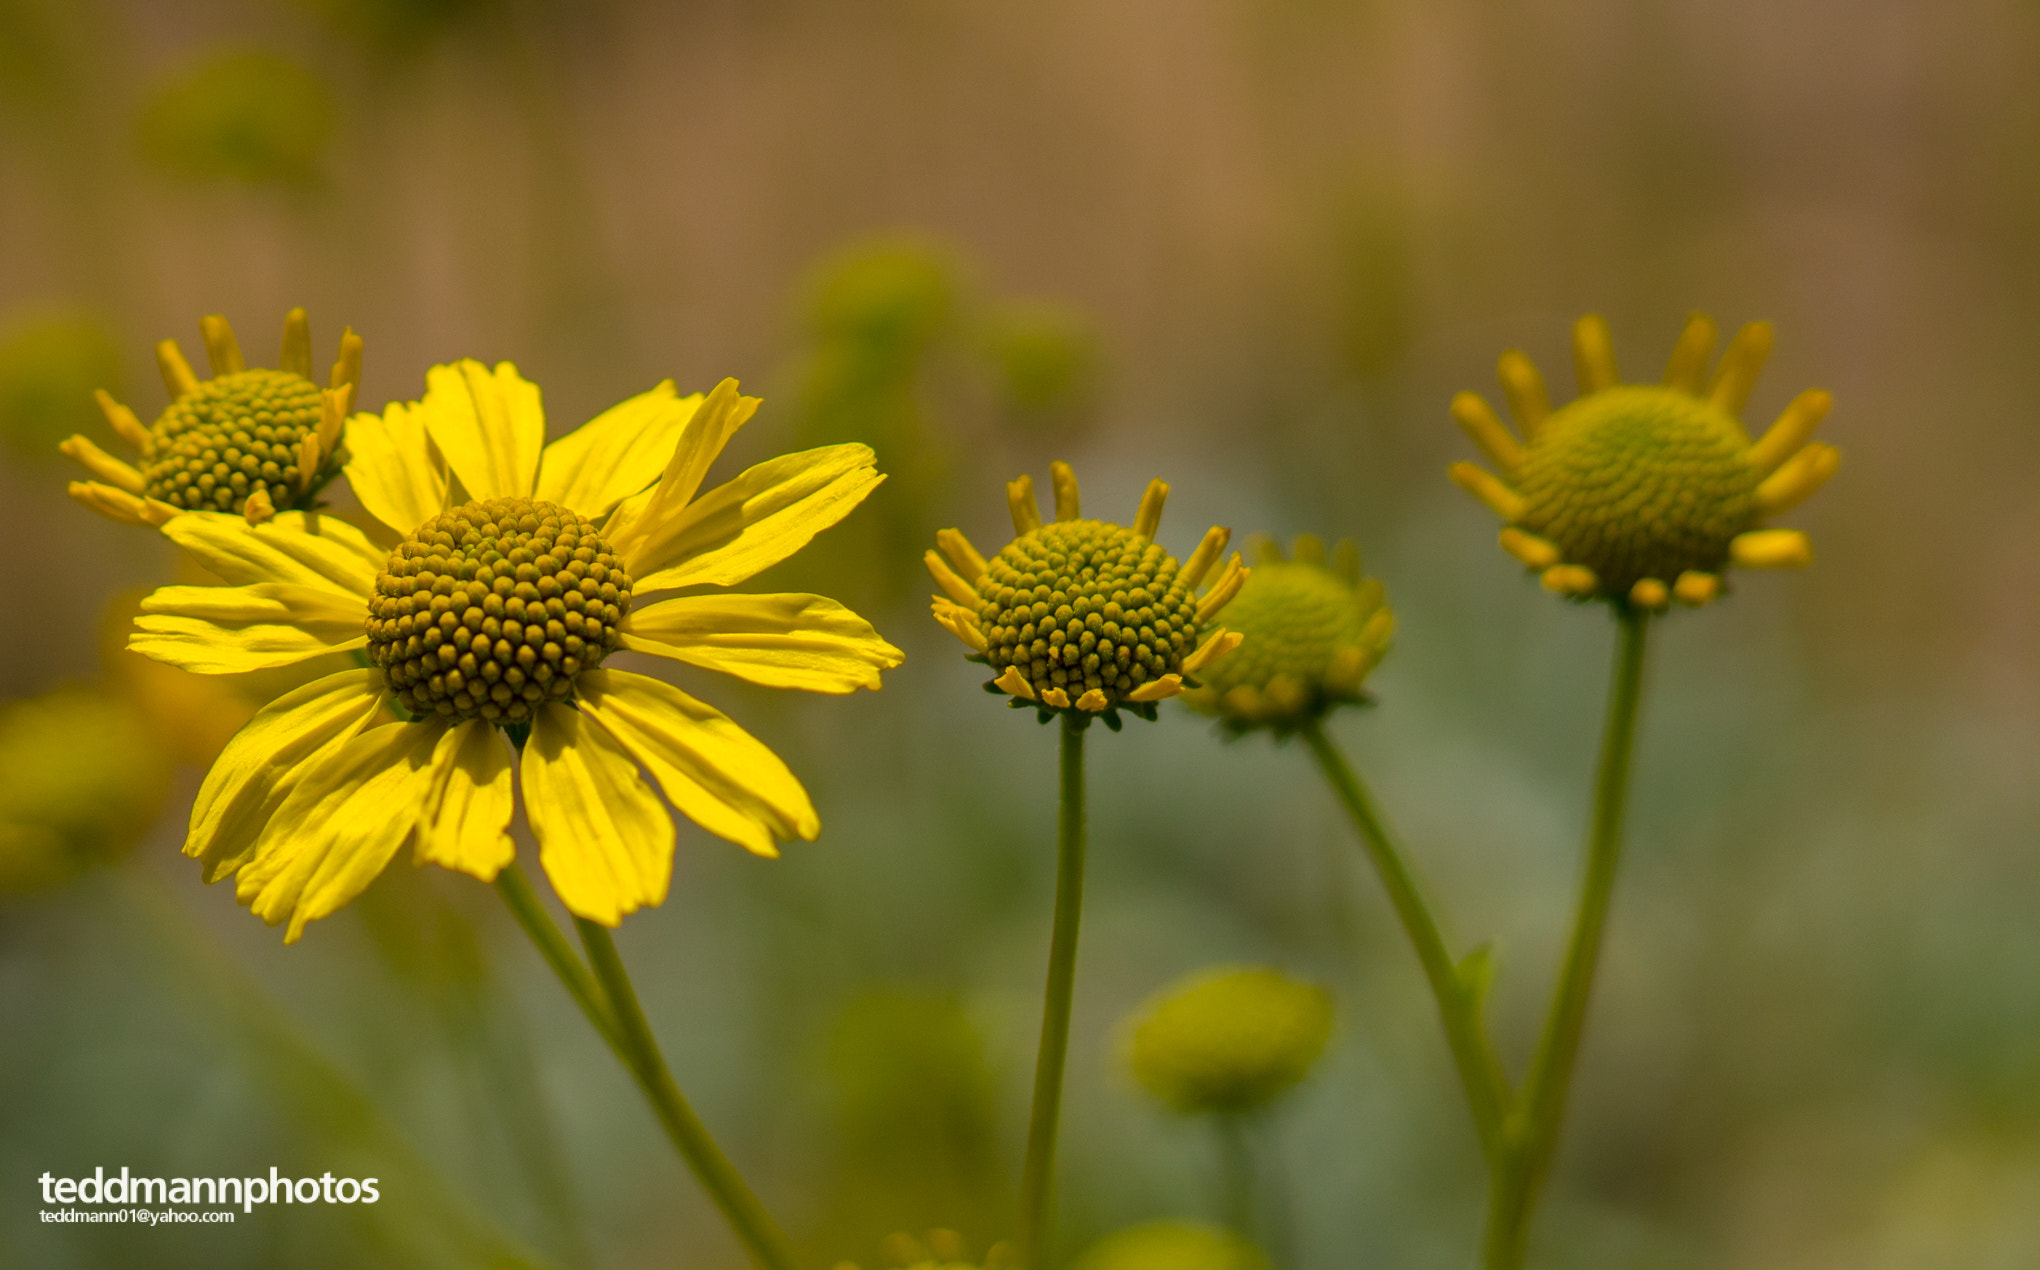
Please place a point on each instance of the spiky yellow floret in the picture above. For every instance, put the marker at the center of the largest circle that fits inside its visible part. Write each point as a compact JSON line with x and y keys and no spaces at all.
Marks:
{"x":1312,"y":634}
{"x":1644,"y":494}
{"x":1084,"y":615}
{"x":250,"y":441}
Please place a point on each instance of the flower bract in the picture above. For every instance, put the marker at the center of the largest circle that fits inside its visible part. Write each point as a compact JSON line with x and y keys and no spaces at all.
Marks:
{"x":520,"y":566}
{"x":1312,"y":632}
{"x":1645,"y":494}
{"x":1084,"y":615}
{"x":248,"y":441}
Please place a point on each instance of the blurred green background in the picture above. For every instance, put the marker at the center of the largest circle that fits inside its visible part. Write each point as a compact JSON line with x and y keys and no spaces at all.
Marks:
{"x":1250,"y":247}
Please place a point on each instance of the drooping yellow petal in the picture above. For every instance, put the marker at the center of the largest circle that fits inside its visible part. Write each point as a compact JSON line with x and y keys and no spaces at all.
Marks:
{"x":1740,"y":366}
{"x":1797,"y":478}
{"x":222,"y":350}
{"x":1015,"y":683}
{"x":258,"y":508}
{"x":1785,"y":437}
{"x":1524,"y":388}
{"x":718,"y":775}
{"x":177,"y":376}
{"x":297,"y":344}
{"x":1489,"y":489}
{"x":1649,"y":593}
{"x":1695,"y":588}
{"x":1689,"y":357}
{"x":1209,"y":548}
{"x":1230,"y":580}
{"x":603,"y":837}
{"x":120,"y":505}
{"x":121,"y":419}
{"x":961,"y":623}
{"x":1056,"y":697}
{"x":345,"y":816}
{"x":1538,"y":553}
{"x":756,"y":520}
{"x":1570,"y":579}
{"x":393,"y":467}
{"x":787,"y":640}
{"x":319,"y":611}
{"x":1473,"y":413}
{"x":617,"y":453}
{"x":104,"y":466}
{"x":1593,"y":354}
{"x":466,"y":821}
{"x":489,"y":425}
{"x":967,"y":559}
{"x":1157,"y":689}
{"x":640,"y":518}
{"x":1215,"y":645}
{"x":1093,"y":702}
{"x":1771,"y":549}
{"x":297,"y":548}
{"x":259,"y":767}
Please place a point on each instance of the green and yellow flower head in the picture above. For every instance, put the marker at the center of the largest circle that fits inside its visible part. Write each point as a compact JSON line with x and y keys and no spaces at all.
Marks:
{"x":939,"y":1250}
{"x":245,"y":442}
{"x":1083,"y":616}
{"x":1229,"y":1039}
{"x":1172,"y":1245}
{"x":521,"y":566}
{"x":1644,"y":494}
{"x":81,"y":780}
{"x":1312,"y":633}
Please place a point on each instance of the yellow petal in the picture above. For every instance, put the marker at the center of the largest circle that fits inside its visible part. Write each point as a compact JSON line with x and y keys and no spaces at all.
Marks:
{"x":297,"y":548}
{"x":1489,"y":489}
{"x":961,"y":623}
{"x":177,"y":376}
{"x":1524,"y":388}
{"x":959,"y":591}
{"x":1740,"y":366}
{"x":297,"y":344}
{"x":1473,"y":413}
{"x":1093,"y":702}
{"x":120,"y":505}
{"x":1771,"y":549}
{"x":1063,"y":479}
{"x":1148,"y":517}
{"x":393,"y":467}
{"x":222,"y":350}
{"x":617,"y":453}
{"x":1216,"y":645}
{"x":1593,"y":354}
{"x":1797,"y":478}
{"x":706,"y":432}
{"x":1157,"y":689}
{"x":1785,"y":437}
{"x":466,"y":824}
{"x":718,"y":775}
{"x":257,"y":769}
{"x":102,"y":465}
{"x":1020,"y":502}
{"x":1538,"y":553}
{"x":1206,"y":555}
{"x":345,"y":816}
{"x":1015,"y":683}
{"x":808,"y":642}
{"x":968,"y":560}
{"x":121,"y":419}
{"x":489,"y":425}
{"x":603,"y":837}
{"x":217,"y":630}
{"x":1056,"y":697}
{"x":753,"y":522}
{"x":1230,"y":580}
{"x":1689,"y":358}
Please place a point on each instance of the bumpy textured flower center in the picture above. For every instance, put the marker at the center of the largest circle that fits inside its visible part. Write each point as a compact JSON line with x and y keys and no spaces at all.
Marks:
{"x":492,"y":608}
{"x":234,"y":434}
{"x":1296,"y":618}
{"x":1639,"y":483}
{"x":1080,"y":604}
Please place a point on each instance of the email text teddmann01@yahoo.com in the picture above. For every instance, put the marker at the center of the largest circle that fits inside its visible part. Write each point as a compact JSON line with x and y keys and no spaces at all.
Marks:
{"x":134,"y":1195}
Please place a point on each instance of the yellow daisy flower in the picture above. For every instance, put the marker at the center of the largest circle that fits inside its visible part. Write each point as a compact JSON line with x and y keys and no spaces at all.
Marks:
{"x":1083,"y":615}
{"x":253,"y":442}
{"x":1644,"y":494}
{"x":519,"y":571}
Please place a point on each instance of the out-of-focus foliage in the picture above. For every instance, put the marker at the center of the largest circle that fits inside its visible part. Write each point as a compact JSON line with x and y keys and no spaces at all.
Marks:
{"x":49,"y":367}
{"x":1049,"y":361}
{"x":241,"y":115}
{"x":81,"y":778}
{"x":400,"y":26}
{"x":1172,"y":1245}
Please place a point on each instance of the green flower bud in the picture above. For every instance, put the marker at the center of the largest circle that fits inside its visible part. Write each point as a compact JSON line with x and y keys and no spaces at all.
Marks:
{"x":1229,"y":1039}
{"x":1312,"y":634}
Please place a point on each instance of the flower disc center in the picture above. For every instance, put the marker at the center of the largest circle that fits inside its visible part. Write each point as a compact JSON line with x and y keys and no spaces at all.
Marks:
{"x":232,"y":435}
{"x":489,"y":609}
{"x":1081,"y":605}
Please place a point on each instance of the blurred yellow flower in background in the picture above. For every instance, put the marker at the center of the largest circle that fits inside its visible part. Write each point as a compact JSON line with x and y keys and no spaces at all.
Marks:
{"x":240,"y":115}
{"x":81,"y":780}
{"x":497,"y":612}
{"x":1312,"y":633}
{"x":1082,"y":614}
{"x":1172,"y":1245}
{"x":250,"y":441}
{"x":1229,"y":1039}
{"x":1644,"y":494}
{"x":940,"y":1250}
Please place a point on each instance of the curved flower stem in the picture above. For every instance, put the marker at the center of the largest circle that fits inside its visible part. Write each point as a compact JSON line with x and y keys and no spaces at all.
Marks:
{"x":611,"y":1004}
{"x":1530,"y":1138}
{"x":1038,"y":1173}
{"x":760,"y":1234}
{"x":1458,"y":995}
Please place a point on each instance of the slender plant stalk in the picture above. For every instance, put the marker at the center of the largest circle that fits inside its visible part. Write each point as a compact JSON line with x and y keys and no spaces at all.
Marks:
{"x":605,"y":995}
{"x":1238,"y":1186}
{"x":1530,"y":1137}
{"x":1457,"y":995}
{"x":1038,"y":1173}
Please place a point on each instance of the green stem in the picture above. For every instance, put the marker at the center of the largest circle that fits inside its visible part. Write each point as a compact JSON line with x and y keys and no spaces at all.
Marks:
{"x":1236,"y":1175}
{"x":1039,"y":1170}
{"x":530,"y":913}
{"x":1531,"y":1135}
{"x":1458,"y":996}
{"x":754,"y":1226}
